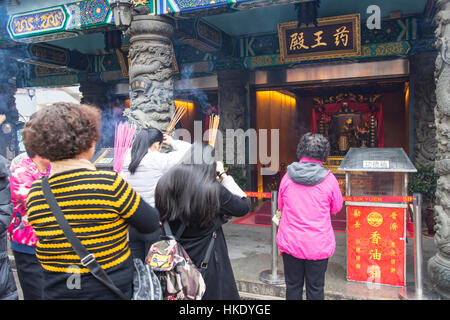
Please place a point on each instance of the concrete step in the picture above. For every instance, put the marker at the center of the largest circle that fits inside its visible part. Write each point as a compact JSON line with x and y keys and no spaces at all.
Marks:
{"x":249,"y":290}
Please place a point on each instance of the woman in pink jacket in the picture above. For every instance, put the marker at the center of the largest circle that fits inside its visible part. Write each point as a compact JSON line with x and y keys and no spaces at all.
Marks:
{"x":308,"y":195}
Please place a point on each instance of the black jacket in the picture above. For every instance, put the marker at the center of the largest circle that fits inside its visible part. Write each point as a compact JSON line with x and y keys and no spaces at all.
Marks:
{"x":219,"y":277}
{"x":8,"y":290}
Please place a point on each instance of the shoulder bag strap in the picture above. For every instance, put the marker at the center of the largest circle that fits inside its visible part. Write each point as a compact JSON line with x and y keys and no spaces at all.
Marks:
{"x":169,"y":233}
{"x":87,"y":259}
{"x":204,"y":263}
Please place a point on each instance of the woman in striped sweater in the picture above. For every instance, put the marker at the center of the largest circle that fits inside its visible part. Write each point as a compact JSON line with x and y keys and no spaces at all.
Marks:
{"x":99,"y":206}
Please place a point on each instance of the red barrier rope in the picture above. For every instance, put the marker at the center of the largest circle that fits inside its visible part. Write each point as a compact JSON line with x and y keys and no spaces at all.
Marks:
{"x":268,"y":195}
{"x":265,"y":195}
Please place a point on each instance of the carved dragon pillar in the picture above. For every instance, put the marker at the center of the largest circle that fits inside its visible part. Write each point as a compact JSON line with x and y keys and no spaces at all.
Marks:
{"x":8,"y":140}
{"x":232,"y":99}
{"x":424,"y":89}
{"x":439,"y":264}
{"x":150,"y":72}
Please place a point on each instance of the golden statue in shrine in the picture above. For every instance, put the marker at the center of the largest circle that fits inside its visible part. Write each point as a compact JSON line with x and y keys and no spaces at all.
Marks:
{"x":347,"y":136}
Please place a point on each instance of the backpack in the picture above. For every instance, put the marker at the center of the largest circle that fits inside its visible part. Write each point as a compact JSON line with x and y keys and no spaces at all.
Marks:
{"x":146,"y":285}
{"x":180,"y":279}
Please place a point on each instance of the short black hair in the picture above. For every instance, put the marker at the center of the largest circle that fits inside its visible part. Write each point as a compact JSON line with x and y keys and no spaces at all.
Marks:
{"x":314,"y":146}
{"x":143,"y":140}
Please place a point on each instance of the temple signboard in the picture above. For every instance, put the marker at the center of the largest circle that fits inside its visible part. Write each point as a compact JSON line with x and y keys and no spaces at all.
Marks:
{"x":334,"y":37}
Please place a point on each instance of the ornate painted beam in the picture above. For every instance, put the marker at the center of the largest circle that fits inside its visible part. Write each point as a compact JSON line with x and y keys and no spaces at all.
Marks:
{"x":75,"y":18}
{"x":197,"y":8}
{"x":63,"y":21}
{"x":200,"y":34}
{"x":399,"y":37}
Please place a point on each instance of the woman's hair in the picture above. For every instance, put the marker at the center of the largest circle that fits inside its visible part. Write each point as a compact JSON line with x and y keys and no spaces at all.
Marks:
{"x":189,"y":191}
{"x":142,"y":141}
{"x":313,"y":146}
{"x":62,"y":130}
{"x":30,"y":153}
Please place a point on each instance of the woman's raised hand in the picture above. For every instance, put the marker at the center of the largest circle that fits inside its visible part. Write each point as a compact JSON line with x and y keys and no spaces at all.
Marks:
{"x":167,"y":139}
{"x":219,"y":167}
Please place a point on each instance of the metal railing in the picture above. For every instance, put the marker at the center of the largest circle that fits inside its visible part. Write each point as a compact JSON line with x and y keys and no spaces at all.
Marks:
{"x":418,"y":292}
{"x":273,"y":276}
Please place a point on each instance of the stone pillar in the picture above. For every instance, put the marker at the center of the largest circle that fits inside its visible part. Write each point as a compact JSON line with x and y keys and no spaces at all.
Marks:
{"x":233,"y":111}
{"x":151,"y":72}
{"x":439,"y":264}
{"x":94,"y":93}
{"x":423,"y":88}
{"x":8,"y":142}
{"x":98,"y":94}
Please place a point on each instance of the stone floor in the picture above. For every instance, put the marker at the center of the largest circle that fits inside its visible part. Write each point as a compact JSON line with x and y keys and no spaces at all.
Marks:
{"x":250,"y":253}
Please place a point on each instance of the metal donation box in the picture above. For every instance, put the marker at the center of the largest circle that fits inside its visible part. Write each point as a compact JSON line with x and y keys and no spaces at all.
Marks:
{"x":376,"y":201}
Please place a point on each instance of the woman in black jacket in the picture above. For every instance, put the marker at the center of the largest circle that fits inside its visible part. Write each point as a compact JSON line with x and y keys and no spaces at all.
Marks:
{"x":8,"y":290}
{"x":199,"y":194}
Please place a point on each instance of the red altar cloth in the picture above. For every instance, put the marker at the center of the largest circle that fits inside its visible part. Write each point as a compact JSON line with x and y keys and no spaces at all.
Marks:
{"x":332,"y":108}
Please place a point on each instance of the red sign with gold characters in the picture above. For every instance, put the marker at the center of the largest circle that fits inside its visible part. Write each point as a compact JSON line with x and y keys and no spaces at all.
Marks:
{"x":376,"y":245}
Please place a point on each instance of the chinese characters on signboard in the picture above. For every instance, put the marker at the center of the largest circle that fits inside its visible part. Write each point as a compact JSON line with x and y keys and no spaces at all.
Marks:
{"x":376,"y":245}
{"x":335,"y":37}
{"x":375,"y":164}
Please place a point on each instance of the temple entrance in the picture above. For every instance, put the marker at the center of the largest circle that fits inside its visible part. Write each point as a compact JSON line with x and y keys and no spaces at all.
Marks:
{"x":360,"y":114}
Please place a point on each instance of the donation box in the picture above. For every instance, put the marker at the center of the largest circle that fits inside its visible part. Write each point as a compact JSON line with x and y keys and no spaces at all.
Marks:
{"x":376,"y":201}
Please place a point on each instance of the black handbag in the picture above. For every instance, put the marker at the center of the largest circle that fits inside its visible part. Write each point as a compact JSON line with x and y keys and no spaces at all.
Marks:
{"x":146,"y":285}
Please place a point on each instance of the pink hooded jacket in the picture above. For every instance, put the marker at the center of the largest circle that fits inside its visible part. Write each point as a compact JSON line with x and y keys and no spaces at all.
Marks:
{"x":308,"y":195}
{"x":22,"y":176}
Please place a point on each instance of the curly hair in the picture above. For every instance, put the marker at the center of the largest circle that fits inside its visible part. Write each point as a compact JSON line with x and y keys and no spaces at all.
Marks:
{"x":313,"y":146}
{"x":62,"y":130}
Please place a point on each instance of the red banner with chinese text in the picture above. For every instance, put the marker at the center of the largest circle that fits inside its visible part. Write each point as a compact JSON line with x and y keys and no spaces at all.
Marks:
{"x":380,"y":199}
{"x":376,"y":245}
{"x":266,"y":195}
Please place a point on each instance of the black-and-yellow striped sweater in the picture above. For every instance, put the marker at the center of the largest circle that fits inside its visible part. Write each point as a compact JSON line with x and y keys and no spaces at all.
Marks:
{"x":98,"y":205}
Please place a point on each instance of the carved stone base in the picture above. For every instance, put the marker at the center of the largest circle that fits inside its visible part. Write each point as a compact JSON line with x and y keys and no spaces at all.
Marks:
{"x":439,"y":271}
{"x":151,"y":58}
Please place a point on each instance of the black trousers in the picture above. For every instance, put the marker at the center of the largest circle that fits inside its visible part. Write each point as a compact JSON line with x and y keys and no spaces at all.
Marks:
{"x":30,"y":273}
{"x":309,"y":272}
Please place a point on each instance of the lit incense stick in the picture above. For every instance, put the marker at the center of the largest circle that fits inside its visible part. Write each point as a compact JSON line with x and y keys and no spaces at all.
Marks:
{"x":176,"y":118}
{"x":213,"y":128}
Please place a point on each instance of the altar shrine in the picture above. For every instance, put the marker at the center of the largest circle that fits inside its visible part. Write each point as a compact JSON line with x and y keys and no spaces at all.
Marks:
{"x":349,"y":123}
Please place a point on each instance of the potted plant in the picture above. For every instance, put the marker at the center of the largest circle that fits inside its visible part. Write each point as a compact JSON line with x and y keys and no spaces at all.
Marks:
{"x":424,"y":181}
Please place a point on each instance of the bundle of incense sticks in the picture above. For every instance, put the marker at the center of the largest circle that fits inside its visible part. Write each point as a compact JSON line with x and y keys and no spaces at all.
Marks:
{"x":213,"y":127}
{"x":122,"y":142}
{"x":176,"y":118}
